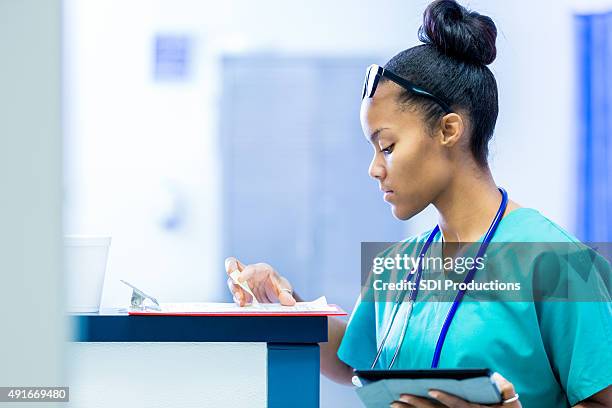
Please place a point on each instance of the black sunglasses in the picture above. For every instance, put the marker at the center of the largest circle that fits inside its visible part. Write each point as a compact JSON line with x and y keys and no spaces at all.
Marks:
{"x":375,"y":72}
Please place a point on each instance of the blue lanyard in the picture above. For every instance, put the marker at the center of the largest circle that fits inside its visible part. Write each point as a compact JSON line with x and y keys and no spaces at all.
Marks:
{"x":413,"y":294}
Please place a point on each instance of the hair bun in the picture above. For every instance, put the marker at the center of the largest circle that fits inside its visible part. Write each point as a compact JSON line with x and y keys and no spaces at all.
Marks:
{"x":458,"y":32}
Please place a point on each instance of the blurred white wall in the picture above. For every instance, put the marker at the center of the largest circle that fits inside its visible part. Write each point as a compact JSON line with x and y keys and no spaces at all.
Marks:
{"x":591,"y":6}
{"x":31,"y":308}
{"x":532,"y":152}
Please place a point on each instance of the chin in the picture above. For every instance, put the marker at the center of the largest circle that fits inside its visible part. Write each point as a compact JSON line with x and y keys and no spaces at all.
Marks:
{"x":402,"y":213}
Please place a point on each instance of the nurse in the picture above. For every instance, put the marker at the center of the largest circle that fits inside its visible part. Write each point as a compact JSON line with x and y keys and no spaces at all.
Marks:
{"x":429,"y":114}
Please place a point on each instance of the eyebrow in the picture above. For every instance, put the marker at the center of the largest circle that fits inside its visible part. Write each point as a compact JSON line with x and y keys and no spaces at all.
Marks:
{"x":375,"y":134}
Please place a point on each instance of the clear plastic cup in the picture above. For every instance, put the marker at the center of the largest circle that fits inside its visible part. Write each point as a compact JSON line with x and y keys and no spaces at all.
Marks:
{"x":85,"y":260}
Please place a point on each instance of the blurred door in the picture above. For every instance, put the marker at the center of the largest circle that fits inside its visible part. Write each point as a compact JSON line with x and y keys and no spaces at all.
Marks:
{"x":296,"y":193}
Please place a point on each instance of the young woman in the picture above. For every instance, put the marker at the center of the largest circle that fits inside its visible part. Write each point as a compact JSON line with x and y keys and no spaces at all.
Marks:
{"x":429,"y":114}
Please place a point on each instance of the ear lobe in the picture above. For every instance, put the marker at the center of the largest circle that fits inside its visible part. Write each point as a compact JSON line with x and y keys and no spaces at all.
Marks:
{"x":451,"y":127}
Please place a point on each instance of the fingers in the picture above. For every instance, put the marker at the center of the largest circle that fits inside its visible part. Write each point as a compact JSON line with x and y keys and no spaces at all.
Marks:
{"x":450,"y":400}
{"x":506,"y":388}
{"x":417,"y":402}
{"x":233,"y":290}
{"x":239,"y":295}
{"x":285,"y":292}
{"x":270,"y":289}
{"x":252,"y":275}
{"x":255,"y":272}
{"x":231,"y":264}
{"x":507,"y":391}
{"x":260,"y":294}
{"x":263,"y":280}
{"x":277,"y":289}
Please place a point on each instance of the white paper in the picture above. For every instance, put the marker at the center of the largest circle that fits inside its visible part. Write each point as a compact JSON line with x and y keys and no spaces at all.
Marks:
{"x":244,"y":285}
{"x":318,"y":305}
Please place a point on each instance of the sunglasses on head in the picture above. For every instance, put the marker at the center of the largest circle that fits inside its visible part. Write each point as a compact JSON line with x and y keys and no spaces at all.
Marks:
{"x":375,"y":72}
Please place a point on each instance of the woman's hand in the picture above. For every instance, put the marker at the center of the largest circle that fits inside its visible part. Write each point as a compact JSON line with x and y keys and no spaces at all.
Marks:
{"x":265,"y":283}
{"x":443,"y":399}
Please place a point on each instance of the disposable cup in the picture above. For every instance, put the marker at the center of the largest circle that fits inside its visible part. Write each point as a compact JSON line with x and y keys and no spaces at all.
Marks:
{"x":85,"y":260}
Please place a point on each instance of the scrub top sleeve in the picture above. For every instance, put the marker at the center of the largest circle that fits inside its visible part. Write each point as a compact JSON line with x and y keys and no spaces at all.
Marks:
{"x":358,"y":347}
{"x":577,"y":336}
{"x":359,"y":344}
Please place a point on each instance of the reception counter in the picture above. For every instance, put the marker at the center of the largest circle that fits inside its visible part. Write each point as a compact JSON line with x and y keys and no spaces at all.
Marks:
{"x":188,"y":361}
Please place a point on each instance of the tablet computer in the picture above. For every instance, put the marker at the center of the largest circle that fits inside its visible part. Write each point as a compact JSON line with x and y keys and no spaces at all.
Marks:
{"x":382,"y":387}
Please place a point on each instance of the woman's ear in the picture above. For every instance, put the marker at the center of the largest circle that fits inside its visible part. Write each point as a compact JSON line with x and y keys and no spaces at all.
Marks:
{"x":451,"y":129}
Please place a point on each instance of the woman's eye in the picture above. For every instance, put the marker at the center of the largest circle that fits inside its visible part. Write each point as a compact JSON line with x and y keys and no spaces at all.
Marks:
{"x":388,"y":149}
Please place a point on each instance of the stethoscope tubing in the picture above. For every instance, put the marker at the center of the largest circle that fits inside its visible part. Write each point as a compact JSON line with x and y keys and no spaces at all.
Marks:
{"x":401,"y":295}
{"x":470,"y":276}
{"x":453,"y":310}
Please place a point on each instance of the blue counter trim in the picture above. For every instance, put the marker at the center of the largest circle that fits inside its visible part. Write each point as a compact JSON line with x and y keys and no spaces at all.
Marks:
{"x":119,"y":327}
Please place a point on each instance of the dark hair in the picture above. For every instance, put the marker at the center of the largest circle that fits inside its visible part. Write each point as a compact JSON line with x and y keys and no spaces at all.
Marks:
{"x":459,"y":43}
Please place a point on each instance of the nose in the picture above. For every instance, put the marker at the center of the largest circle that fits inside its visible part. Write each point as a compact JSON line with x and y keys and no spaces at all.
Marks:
{"x":377,"y":169}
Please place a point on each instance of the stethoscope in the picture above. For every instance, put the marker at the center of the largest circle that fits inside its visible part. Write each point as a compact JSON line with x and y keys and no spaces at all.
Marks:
{"x":413,"y":293}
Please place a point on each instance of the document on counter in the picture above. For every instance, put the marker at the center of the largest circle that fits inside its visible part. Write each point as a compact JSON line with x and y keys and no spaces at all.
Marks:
{"x":318,"y":307}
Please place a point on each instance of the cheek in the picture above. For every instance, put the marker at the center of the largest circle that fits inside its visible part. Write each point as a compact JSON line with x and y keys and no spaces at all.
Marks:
{"x":415,"y":164}
{"x":419,"y":171}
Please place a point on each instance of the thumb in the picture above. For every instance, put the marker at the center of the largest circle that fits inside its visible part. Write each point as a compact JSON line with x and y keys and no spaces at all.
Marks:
{"x":231,"y":264}
{"x":505,"y":386}
{"x":284,"y":292}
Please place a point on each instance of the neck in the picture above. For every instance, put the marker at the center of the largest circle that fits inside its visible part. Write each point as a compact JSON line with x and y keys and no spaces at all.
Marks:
{"x":467,"y":206}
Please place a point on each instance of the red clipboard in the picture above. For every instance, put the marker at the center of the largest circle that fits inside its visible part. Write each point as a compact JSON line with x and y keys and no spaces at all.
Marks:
{"x":336,"y":312}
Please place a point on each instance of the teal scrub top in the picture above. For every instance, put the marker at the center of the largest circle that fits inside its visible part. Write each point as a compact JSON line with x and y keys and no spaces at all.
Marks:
{"x":554,"y":353}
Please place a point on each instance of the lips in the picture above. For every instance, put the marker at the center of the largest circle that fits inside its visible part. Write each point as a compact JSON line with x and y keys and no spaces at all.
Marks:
{"x":388,"y":195}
